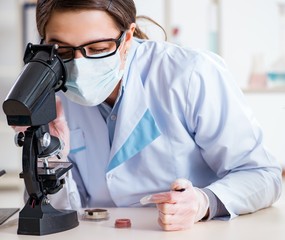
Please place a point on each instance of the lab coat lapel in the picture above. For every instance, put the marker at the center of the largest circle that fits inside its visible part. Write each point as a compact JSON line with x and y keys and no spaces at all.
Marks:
{"x":135,"y":127}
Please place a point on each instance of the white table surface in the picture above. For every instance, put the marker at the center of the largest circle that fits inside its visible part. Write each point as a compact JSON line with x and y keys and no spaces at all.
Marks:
{"x":265,"y":224}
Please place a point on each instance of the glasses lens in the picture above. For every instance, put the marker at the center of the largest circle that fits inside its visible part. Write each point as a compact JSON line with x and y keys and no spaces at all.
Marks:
{"x":100,"y":49}
{"x":65,"y":53}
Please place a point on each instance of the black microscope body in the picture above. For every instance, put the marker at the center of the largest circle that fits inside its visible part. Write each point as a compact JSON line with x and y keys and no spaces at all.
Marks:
{"x":31,"y":102}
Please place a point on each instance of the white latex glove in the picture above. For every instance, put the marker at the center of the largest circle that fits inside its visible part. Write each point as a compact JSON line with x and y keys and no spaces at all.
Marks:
{"x":58,"y":127}
{"x":179,"y":209}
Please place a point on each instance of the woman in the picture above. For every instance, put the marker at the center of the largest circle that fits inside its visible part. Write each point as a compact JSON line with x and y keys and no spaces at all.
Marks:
{"x":142,"y":115}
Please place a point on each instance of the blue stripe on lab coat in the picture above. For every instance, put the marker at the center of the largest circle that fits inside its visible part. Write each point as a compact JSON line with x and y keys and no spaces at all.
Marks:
{"x":77,"y":150}
{"x":143,"y":134}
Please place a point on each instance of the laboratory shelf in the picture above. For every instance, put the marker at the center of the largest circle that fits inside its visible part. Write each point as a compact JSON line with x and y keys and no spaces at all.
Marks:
{"x":269,"y":90}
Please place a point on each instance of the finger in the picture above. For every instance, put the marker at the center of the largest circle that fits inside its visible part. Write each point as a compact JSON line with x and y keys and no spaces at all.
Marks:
{"x":174,"y":222}
{"x":19,"y":128}
{"x":167,"y":208}
{"x":166,"y":219}
{"x":164,"y":197}
{"x":181,"y":184}
{"x":165,"y":227}
{"x":170,"y":227}
{"x":59,"y":125}
{"x":171,"y":219}
{"x":155,"y":198}
{"x":59,"y":109}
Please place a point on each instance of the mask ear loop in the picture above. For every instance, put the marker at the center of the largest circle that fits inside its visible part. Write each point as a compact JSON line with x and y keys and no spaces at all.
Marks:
{"x":126,"y":52}
{"x":126,"y":55}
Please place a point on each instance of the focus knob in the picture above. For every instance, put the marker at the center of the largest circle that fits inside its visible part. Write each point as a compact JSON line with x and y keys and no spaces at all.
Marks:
{"x":19,"y":139}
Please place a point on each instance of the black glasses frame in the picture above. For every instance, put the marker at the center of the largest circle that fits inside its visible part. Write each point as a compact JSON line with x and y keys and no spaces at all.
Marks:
{"x":118,"y":42}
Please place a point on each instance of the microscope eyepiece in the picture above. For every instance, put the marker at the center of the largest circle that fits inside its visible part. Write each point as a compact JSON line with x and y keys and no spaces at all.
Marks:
{"x":31,"y":101}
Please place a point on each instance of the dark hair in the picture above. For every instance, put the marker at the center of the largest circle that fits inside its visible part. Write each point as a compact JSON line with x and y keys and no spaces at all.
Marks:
{"x":122,"y":11}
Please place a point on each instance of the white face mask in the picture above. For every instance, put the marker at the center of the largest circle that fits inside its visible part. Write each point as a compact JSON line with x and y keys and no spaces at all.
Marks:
{"x":91,"y":81}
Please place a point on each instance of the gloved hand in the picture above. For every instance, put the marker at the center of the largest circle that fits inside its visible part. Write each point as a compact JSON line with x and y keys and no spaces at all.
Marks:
{"x":182,"y":207}
{"x":58,"y":127}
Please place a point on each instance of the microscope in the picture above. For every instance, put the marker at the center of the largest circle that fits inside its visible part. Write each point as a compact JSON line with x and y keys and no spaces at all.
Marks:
{"x":31,"y":103}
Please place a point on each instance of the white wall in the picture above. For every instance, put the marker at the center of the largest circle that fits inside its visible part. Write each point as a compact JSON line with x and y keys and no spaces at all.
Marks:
{"x":10,"y":159}
{"x":269,"y":109}
{"x":155,"y":10}
{"x":10,"y":66}
{"x":248,"y":28}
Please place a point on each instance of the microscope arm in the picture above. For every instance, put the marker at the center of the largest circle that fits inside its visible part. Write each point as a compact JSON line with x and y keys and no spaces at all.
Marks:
{"x":29,"y":163}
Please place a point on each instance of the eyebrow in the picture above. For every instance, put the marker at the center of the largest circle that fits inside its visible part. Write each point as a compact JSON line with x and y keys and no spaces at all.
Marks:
{"x":66,"y":44}
{"x":57,"y":41}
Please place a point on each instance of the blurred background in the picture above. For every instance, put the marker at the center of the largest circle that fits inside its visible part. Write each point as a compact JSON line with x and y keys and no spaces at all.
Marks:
{"x":248,"y":34}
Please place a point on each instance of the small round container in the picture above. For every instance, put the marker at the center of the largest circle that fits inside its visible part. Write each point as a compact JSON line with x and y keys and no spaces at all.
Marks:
{"x":96,"y":214}
{"x":123,"y":223}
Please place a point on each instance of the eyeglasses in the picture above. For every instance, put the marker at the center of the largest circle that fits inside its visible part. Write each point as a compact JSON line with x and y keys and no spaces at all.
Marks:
{"x":94,"y":50}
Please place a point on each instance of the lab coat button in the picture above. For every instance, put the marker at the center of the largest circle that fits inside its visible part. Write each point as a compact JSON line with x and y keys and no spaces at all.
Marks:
{"x":113,"y":117}
{"x":110,"y":176}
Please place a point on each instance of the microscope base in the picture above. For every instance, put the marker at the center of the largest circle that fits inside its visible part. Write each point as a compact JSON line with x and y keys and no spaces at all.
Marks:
{"x":45,"y":219}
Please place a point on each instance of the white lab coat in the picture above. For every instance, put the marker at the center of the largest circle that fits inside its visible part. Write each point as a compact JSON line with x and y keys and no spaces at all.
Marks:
{"x":181,"y":116}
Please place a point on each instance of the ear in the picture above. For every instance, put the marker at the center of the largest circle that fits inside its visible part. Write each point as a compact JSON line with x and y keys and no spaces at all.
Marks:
{"x":129,"y":35}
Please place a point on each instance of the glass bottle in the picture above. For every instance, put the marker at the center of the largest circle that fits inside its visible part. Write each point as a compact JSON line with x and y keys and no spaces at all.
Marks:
{"x":214,"y":28}
{"x":276,"y":73}
{"x":257,"y":78}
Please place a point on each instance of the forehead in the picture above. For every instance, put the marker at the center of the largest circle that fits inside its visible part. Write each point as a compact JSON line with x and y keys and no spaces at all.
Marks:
{"x":79,"y":27}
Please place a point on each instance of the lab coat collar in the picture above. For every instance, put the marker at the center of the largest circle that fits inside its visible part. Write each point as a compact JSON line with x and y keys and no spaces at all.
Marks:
{"x":135,"y":127}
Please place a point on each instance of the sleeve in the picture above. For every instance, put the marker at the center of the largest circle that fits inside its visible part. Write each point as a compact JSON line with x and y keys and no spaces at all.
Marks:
{"x":230,"y":139}
{"x":216,"y":207}
{"x":68,"y":197}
